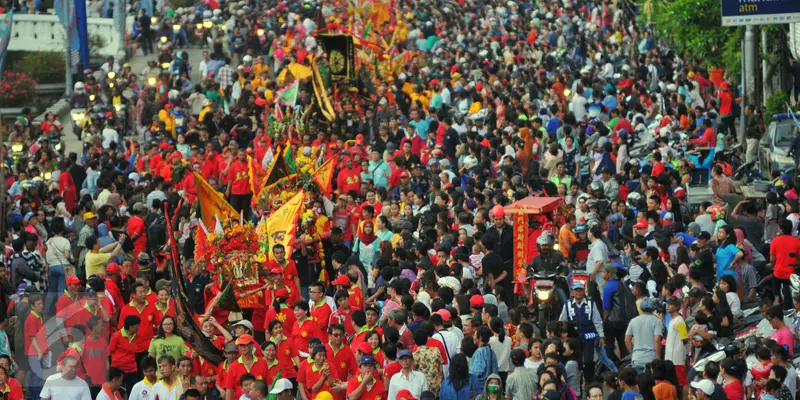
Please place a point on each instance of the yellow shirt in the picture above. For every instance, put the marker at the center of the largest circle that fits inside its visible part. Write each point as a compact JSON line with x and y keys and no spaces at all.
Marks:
{"x":96,"y":263}
{"x":259,"y":68}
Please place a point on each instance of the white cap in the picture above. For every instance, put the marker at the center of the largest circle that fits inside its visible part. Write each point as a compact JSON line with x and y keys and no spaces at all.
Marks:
{"x":245,"y":323}
{"x":281,"y":385}
{"x":705,"y":385}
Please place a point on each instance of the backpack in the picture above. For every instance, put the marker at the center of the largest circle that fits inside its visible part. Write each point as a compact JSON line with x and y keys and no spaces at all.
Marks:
{"x":627,"y":302}
{"x":157,"y":233}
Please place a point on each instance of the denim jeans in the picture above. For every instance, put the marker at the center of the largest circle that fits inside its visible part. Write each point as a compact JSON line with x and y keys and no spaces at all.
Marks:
{"x":57,"y":283}
{"x":36,"y":375}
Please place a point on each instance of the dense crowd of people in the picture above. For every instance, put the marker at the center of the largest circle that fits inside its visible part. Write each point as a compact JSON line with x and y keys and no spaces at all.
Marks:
{"x":408,"y":289}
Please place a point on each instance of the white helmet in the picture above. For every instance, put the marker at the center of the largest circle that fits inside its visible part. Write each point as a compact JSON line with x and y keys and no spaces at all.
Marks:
{"x":248,"y":58}
{"x":217,"y":12}
{"x":78,"y":86}
{"x":173,"y":94}
{"x":470,"y":162}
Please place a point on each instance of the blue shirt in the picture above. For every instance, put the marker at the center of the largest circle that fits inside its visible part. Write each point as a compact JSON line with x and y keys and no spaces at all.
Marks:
{"x":609,"y":289}
{"x":483,"y":364}
{"x":725,"y":255}
{"x":631,"y":395}
{"x":421,"y":127}
{"x":687,"y":238}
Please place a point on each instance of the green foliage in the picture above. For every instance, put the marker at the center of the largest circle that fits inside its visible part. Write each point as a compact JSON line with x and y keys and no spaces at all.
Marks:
{"x":96,"y":42}
{"x":184,"y":3}
{"x":776,"y":104}
{"x":694,"y":27}
{"x":43,"y":66}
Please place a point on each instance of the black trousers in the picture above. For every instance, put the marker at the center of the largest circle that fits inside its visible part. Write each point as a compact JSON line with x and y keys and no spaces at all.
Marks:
{"x":241,"y":203}
{"x":588,"y":360}
{"x":726,"y":126}
{"x":783,"y":287}
{"x":615,"y":334}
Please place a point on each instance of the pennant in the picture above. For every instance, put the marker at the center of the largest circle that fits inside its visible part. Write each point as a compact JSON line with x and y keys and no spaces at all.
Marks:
{"x":269,"y":158}
{"x":282,"y":224}
{"x":257,"y":175}
{"x":288,"y":158}
{"x":5,"y":35}
{"x":271,"y":387}
{"x":277,"y":170}
{"x":212,"y":203}
{"x":288,"y":95}
{"x":323,"y":176}
{"x":187,"y":327}
{"x":278,"y":112}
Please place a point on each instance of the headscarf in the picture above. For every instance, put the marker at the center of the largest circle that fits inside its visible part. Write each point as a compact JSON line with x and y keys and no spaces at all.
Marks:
{"x":748,"y":254}
{"x":365,"y":238}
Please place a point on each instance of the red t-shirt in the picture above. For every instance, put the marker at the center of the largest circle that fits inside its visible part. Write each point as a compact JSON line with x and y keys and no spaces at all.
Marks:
{"x":160,"y":314}
{"x":204,"y":368}
{"x":309,"y":375}
{"x":284,"y":353}
{"x":95,"y":354}
{"x":780,"y":248}
{"x":343,"y":361}
{"x":79,"y":314}
{"x":391,"y":369}
{"x":239,"y":174}
{"x":289,"y":273}
{"x":13,"y":390}
{"x":123,"y":349}
{"x":342,"y":318}
{"x":348,"y":179}
{"x":356,"y":298}
{"x":63,"y":303}
{"x":222,"y":374}
{"x":321,"y":315}
{"x":146,"y":328}
{"x":376,"y":392}
{"x":286,"y":316}
{"x":76,"y":353}
{"x":341,"y":219}
{"x":34,"y":331}
{"x":734,"y":390}
{"x":237,"y":369}
{"x":136,"y":226}
{"x":302,"y":333}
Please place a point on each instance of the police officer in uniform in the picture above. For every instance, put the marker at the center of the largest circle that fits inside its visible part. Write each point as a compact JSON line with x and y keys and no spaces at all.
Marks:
{"x":589,"y":323}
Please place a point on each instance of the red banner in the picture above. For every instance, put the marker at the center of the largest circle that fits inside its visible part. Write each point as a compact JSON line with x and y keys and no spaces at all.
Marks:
{"x":520,"y":248}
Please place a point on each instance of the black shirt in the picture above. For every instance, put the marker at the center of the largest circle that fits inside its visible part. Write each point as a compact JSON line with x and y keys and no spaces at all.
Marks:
{"x":194,"y":293}
{"x":493,"y":264}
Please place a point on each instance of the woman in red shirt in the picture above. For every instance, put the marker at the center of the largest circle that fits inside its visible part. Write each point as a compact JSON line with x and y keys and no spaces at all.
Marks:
{"x":318,"y":376}
{"x":285,"y":354}
{"x":304,"y":328}
{"x":273,"y":365}
{"x":9,"y":391}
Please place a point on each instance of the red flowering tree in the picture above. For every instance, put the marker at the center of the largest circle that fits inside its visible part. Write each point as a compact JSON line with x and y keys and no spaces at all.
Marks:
{"x":17,"y":89}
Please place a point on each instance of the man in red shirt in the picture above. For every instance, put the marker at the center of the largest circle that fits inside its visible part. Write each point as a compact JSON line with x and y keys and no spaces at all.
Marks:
{"x":349,"y":178}
{"x":145,"y":311}
{"x":239,"y":191}
{"x":69,"y":297}
{"x":136,"y":230}
{"x":342,"y":314}
{"x":39,"y":356}
{"x":320,"y":309}
{"x":246,"y":363}
{"x":113,"y":271}
{"x":231,"y":353}
{"x":340,"y":357}
{"x":709,"y":137}
{"x":780,"y":256}
{"x":123,"y":348}
{"x":290,"y":278}
{"x":364,"y":386}
{"x":95,"y":353}
{"x":81,"y":312}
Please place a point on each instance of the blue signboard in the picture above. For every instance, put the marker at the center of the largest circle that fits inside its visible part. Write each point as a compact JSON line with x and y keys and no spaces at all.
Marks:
{"x":760,"y":12}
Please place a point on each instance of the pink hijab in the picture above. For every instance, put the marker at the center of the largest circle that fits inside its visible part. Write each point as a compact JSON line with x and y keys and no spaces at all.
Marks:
{"x":740,"y":240}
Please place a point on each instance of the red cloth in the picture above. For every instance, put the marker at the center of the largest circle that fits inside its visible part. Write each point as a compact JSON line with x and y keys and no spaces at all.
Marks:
{"x":136,"y":226}
{"x":708,"y":139}
{"x":95,"y":354}
{"x":780,"y":248}
{"x":123,"y":351}
{"x":66,"y":186}
{"x":239,"y":174}
{"x":348,"y":180}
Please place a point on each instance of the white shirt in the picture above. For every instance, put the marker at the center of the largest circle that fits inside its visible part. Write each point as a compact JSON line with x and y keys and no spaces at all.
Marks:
{"x":415,"y":383}
{"x":143,"y":390}
{"x":104,"y":396}
{"x":676,"y":348}
{"x":110,"y":135}
{"x":163,"y":392}
{"x":451,"y":344}
{"x":56,"y":387}
{"x":503,"y":352}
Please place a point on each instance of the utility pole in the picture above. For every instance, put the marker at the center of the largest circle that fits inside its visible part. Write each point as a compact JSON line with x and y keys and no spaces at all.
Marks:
{"x":68,"y":45}
{"x":764,"y":67}
{"x":748,"y":83}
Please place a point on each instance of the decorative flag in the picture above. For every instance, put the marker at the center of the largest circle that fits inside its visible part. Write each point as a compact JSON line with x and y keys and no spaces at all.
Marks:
{"x":282,"y":224}
{"x":257,"y":176}
{"x":288,"y":158}
{"x":83,"y":31}
{"x":340,"y":50}
{"x":320,"y":93}
{"x":5,"y":35}
{"x":288,"y":95}
{"x":274,"y":382}
{"x":520,"y":251}
{"x":277,"y":170}
{"x":212,"y":203}
{"x":323,"y":176}
{"x":188,"y":327}
{"x":268,"y":160}
{"x":278,"y":112}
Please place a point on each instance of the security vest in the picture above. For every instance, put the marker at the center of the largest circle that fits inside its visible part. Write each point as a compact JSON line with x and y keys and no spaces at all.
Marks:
{"x":582,"y":315}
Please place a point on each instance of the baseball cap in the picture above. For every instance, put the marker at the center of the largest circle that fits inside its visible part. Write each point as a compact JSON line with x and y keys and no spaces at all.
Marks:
{"x":281,"y":386}
{"x":88,"y":215}
{"x":444,"y":314}
{"x":341,"y":280}
{"x":704,"y":236}
{"x":276,"y":270}
{"x":705,"y":385}
{"x":404,"y":353}
{"x":245,"y":323}
{"x":112,"y":268}
{"x":282,"y":293}
{"x":366,"y":359}
{"x":364,"y":347}
{"x":73,"y":280}
{"x":244,"y":339}
{"x":138,"y":207}
{"x":231,"y":348}
{"x":160,"y":284}
{"x":578,"y":285}
{"x":476,"y":300}
{"x":641,"y":225}
{"x":617,"y":218}
{"x":647,"y":304}
{"x":405,"y":394}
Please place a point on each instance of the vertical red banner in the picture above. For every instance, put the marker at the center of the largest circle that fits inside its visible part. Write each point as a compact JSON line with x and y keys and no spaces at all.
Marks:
{"x":520,"y":250}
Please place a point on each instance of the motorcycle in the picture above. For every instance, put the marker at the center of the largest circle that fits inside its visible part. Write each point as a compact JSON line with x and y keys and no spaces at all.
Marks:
{"x":78,"y":116}
{"x":543,"y":295}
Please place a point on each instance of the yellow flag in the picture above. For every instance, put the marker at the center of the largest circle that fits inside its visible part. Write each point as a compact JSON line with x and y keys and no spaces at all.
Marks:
{"x":282,"y":224}
{"x":212,"y":203}
{"x":324,"y":176}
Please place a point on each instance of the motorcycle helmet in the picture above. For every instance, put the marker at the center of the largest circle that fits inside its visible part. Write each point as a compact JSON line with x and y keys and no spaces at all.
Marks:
{"x":580,"y":228}
{"x":470,"y":162}
{"x":634,"y":200}
{"x":498,"y":211}
{"x":545,"y":239}
{"x":79,"y":87}
{"x":248,"y":58}
{"x":597,"y":186}
{"x":751,"y":345}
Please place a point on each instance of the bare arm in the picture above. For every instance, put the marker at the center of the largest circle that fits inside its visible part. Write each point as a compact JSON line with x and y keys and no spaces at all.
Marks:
{"x":656,"y":343}
{"x":629,"y":343}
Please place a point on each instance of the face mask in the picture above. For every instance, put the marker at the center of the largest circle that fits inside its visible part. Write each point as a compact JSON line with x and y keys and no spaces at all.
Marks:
{"x":493,"y":388}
